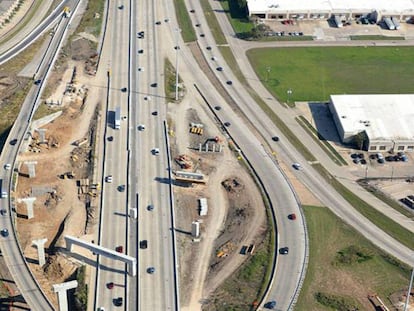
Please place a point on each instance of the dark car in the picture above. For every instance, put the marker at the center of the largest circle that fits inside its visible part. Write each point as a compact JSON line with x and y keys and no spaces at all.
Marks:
{"x":150,"y":207}
{"x":229,"y":82}
{"x":3,"y":211}
{"x":217,"y":108}
{"x":141,"y":35}
{"x":227,"y":124}
{"x":4,"y":233}
{"x":124,"y":89}
{"x":270,"y":305}
{"x":157,"y":23}
{"x":292,"y":216}
{"x":198,"y":25}
{"x":275,"y":138}
{"x":118,"y":301}
{"x":13,"y":142}
{"x":151,"y":270}
{"x":219,"y":68}
{"x":119,"y":249}
{"x":192,"y":11}
{"x":202,"y":35}
{"x":155,"y":113}
{"x":110,"y":138}
{"x":121,"y":188}
{"x":110,"y":285}
{"x":141,"y":51}
{"x":177,"y":47}
{"x":143,"y":244}
{"x":208,"y":48}
{"x":155,"y":84}
{"x":121,"y":7}
{"x":37,"y":82}
{"x":284,"y":250}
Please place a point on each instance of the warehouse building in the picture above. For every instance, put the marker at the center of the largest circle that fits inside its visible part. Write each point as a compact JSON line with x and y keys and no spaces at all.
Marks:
{"x":376,"y":122}
{"x":402,"y":10}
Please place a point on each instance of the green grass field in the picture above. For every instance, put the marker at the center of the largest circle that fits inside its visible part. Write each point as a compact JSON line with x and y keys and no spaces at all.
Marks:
{"x":343,"y":276}
{"x":316,"y":73}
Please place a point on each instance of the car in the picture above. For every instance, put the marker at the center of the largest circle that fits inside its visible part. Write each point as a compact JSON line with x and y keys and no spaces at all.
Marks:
{"x":147,"y":97}
{"x":124,"y":117}
{"x":141,"y":127}
{"x":217,"y":108}
{"x":124,"y":89}
{"x":198,"y":25}
{"x":192,"y":11}
{"x":155,"y":151}
{"x":389,"y":158}
{"x":141,"y":51}
{"x":118,"y":301}
{"x":270,"y":305}
{"x":227,"y":124}
{"x":110,"y":138}
{"x":157,"y":23}
{"x":121,"y":7}
{"x":108,"y":178}
{"x":177,"y":47}
{"x":7,"y":166}
{"x":4,"y":233}
{"x":141,"y":69}
{"x":229,"y":82}
{"x":151,"y":270}
{"x":150,"y":207}
{"x":37,"y":82}
{"x":155,"y":84}
{"x":166,"y":20}
{"x":208,"y":48}
{"x":119,"y":249}
{"x":121,"y":188}
{"x":202,"y":35}
{"x":292,"y":216}
{"x":363,"y":161}
{"x":296,"y":166}
{"x":214,"y":58}
{"x":3,"y":212}
{"x":143,"y":244}
{"x":13,"y":142}
{"x":381,"y":161}
{"x":4,"y":195}
{"x":141,"y":35}
{"x":284,"y":250}
{"x":101,"y":309}
{"x":155,"y":113}
{"x":110,"y":285}
{"x":356,"y":160}
{"x":219,"y":68}
{"x":275,"y":138}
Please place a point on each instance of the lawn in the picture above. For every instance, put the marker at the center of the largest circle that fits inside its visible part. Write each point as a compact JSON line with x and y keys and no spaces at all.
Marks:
{"x":351,"y":278}
{"x":238,"y":18}
{"x":316,"y":73}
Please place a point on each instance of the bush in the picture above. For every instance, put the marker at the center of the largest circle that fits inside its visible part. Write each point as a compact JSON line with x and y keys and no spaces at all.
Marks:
{"x":336,"y":302}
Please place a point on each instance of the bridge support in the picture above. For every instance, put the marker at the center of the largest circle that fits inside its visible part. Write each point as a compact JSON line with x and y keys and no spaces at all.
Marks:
{"x":61,"y":289}
{"x":29,"y":206}
{"x":40,"y":250}
{"x":41,"y":132}
{"x":31,"y":167}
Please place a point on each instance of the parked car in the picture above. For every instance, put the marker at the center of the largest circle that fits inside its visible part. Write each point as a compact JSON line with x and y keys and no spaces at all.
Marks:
{"x":118,"y":301}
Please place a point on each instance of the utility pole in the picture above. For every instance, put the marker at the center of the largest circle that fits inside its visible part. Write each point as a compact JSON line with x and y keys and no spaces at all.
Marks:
{"x":268,"y":69}
{"x":177,"y":48}
{"x":407,"y":301}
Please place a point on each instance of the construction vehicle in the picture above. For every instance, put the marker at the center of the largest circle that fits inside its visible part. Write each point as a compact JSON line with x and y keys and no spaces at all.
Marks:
{"x":66,"y":12}
{"x":96,"y":187}
{"x":377,"y":303}
{"x":68,"y":175}
{"x":196,"y":130}
{"x":184,"y":161}
{"x":225,"y":249}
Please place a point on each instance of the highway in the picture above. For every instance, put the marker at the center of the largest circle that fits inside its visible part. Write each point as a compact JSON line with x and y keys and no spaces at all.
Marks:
{"x":10,"y":248}
{"x":128,"y":158}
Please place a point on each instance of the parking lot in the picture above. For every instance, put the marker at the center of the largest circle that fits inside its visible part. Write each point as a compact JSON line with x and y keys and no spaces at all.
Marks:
{"x":323,"y":30}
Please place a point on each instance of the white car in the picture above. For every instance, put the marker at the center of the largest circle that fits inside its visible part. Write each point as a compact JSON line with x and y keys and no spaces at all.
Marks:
{"x":155,"y":151}
{"x":297,"y":166}
{"x":141,"y":69}
{"x":7,"y":166}
{"x":108,"y":178}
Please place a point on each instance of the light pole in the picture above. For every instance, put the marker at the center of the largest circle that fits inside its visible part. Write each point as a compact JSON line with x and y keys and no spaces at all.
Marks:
{"x":289,"y":92}
{"x":268,"y":69}
{"x":177,"y":48}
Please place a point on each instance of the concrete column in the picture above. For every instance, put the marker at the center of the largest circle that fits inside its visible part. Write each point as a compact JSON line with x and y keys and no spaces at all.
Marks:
{"x":40,"y":244}
{"x":200,"y":148}
{"x":41,"y":135}
{"x":220,"y":148}
{"x":207,"y":147}
{"x":133,"y":213}
{"x":29,"y":206}
{"x":31,"y":167}
{"x":61,"y":290}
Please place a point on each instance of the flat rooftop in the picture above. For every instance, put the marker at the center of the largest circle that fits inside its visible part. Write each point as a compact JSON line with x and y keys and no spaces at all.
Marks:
{"x":394,"y":6}
{"x":388,"y":116}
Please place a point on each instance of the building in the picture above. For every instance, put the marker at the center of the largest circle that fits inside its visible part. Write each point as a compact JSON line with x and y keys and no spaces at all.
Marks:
{"x":377,"y":122}
{"x":402,"y":10}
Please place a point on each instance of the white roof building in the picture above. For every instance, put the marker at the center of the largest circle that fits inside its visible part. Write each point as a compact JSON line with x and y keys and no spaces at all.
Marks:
{"x":385,"y":120}
{"x":203,"y":207}
{"x":280,"y":9}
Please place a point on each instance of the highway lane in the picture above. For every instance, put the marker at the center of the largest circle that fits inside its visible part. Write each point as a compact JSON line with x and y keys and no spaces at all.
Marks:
{"x":10,"y":248}
{"x":156,"y":290}
{"x":114,"y":214}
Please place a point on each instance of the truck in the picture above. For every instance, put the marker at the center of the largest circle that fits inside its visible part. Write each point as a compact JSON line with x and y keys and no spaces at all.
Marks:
{"x":4,"y":194}
{"x":117,"y":124}
{"x":396,"y":23}
{"x":388,"y":22}
{"x":338,"y":21}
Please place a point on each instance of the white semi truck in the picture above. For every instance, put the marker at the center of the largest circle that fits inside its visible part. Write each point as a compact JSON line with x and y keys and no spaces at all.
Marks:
{"x":117,"y":124}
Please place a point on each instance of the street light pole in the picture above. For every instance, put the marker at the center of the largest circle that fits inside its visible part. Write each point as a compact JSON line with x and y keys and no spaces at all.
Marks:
{"x":268,"y":73}
{"x":289,"y":92}
{"x":177,"y":47}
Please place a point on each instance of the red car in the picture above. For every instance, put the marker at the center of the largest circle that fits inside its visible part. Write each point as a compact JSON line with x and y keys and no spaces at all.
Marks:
{"x":292,"y":216}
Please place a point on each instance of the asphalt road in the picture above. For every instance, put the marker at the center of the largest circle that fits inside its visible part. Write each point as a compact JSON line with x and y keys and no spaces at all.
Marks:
{"x":11,"y":251}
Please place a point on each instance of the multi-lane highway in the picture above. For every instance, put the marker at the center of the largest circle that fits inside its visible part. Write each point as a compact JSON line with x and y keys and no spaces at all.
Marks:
{"x":131,"y":160}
